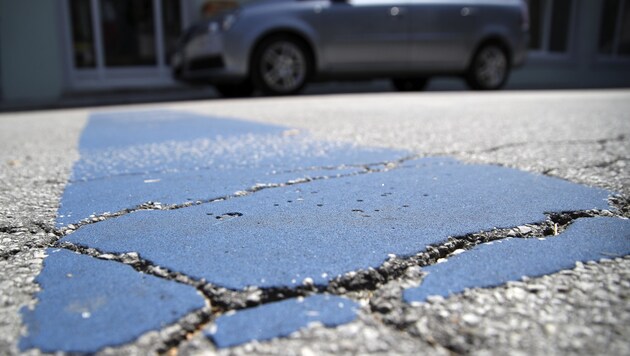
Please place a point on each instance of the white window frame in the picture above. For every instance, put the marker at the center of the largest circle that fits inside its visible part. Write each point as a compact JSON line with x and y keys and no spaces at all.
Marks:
{"x":102,"y":77}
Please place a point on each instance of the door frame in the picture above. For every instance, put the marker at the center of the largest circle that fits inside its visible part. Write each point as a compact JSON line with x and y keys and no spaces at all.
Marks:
{"x":102,"y":77}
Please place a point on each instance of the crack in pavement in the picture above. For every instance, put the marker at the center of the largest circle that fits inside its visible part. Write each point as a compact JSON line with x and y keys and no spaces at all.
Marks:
{"x":603,"y":142}
{"x":223,"y":300}
{"x":607,"y":164}
{"x":367,"y":168}
{"x":621,"y":204}
{"x":33,"y":228}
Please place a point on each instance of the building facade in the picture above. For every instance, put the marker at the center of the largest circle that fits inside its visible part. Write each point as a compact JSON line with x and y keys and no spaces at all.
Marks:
{"x":577,"y":44}
{"x":54,"y":47}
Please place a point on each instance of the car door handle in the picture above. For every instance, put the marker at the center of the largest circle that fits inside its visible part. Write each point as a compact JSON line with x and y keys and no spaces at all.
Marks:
{"x":468,"y":11}
{"x":397,"y":11}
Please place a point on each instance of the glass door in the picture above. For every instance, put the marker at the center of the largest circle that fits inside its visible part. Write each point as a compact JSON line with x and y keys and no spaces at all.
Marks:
{"x":128,"y":30}
{"x":118,"y":43}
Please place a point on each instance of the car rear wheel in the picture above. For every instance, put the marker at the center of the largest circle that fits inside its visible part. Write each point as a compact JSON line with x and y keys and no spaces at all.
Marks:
{"x":281,"y":66}
{"x":240,"y":90}
{"x":410,"y":84}
{"x":490,"y":68}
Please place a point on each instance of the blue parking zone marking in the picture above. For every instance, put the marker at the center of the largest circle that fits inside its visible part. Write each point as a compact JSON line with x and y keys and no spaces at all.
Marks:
{"x":498,"y":262}
{"x":87,"y":304}
{"x":320,"y":230}
{"x":242,"y":204}
{"x":128,"y":159}
{"x":285,"y":317}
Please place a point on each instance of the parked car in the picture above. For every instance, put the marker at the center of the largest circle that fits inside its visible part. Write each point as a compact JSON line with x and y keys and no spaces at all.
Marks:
{"x":278,"y":46}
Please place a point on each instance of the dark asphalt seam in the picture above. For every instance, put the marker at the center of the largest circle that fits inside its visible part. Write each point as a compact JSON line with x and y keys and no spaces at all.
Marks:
{"x":34,"y":227}
{"x":26,"y":247}
{"x":602,"y":142}
{"x":607,"y":164}
{"x":621,"y":204}
{"x":223,"y":300}
{"x":8,"y":254}
{"x":603,"y":164}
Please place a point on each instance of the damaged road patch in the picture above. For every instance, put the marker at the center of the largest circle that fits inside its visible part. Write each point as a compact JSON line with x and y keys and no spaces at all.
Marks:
{"x":288,"y":234}
{"x":128,"y":159}
{"x":87,"y":304}
{"x":229,"y":205}
{"x":280,"y":319}
{"x":499,"y":262}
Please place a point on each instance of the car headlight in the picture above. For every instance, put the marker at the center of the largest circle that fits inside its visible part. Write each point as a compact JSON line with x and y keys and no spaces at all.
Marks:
{"x":228,"y":21}
{"x":223,"y":23}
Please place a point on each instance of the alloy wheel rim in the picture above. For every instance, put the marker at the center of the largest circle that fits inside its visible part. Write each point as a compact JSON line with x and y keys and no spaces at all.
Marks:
{"x":491,"y":67}
{"x":283,"y":67}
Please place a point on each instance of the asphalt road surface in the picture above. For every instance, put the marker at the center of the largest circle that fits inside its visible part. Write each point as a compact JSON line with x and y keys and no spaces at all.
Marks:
{"x":550,"y":169}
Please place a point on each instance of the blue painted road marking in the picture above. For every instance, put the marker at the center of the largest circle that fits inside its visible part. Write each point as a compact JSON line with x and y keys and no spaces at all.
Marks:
{"x":355,"y":213}
{"x":87,"y":304}
{"x":498,"y":262}
{"x":128,"y":159}
{"x":280,"y":319}
{"x":110,"y":130}
{"x":329,"y":227}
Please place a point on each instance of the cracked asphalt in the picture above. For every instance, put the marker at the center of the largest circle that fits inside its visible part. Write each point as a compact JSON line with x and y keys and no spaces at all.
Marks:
{"x":579,"y":136}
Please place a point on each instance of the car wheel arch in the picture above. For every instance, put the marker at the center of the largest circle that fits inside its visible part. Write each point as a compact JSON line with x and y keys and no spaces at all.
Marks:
{"x":492,"y":40}
{"x":290,"y":32}
{"x":486,"y":71}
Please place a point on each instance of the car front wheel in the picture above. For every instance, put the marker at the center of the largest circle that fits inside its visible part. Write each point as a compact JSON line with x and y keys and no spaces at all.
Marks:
{"x":489,"y":69}
{"x":281,"y":66}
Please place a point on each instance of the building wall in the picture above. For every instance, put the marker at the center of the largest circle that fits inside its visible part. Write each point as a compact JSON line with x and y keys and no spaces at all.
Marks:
{"x":30,"y":50}
{"x":581,"y":67}
{"x":35,"y":55}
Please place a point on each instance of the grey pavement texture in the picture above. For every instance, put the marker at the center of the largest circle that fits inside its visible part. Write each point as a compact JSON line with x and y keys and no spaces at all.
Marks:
{"x":578,"y":136}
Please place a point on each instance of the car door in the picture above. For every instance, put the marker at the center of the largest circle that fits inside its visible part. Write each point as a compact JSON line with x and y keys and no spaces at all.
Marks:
{"x":364,"y":36}
{"x":442,"y":33}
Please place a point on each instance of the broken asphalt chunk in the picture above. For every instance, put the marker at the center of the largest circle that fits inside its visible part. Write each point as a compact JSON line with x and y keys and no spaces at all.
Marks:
{"x":280,"y":319}
{"x":496,"y":263}
{"x":86,"y":304}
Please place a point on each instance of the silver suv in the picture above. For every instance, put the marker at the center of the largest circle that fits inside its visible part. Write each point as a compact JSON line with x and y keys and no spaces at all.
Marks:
{"x":277,"y":46}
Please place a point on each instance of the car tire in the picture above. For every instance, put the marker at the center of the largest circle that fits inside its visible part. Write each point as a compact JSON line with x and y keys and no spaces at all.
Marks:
{"x":240,"y":90}
{"x":281,"y":65}
{"x":410,"y":84}
{"x":489,"y":69}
